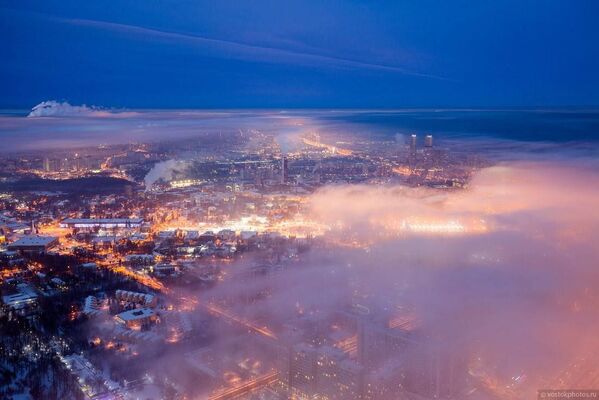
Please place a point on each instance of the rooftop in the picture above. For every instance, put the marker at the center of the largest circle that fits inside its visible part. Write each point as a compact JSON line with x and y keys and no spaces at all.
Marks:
{"x":138,"y":313}
{"x":34,"y":241}
{"x":25,"y":295}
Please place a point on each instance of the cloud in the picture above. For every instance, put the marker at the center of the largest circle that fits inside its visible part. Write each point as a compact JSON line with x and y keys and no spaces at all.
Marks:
{"x":505,"y":196}
{"x":246,"y":51}
{"x":53,"y":108}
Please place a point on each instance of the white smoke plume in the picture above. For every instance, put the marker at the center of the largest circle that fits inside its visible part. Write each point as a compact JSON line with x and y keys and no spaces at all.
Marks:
{"x":53,"y":108}
{"x":165,"y":170}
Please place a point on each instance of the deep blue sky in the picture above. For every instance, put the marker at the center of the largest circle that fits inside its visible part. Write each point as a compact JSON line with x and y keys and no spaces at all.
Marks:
{"x":228,"y":54}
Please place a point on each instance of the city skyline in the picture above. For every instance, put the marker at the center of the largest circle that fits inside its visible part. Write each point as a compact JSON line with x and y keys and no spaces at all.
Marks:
{"x":284,"y":200}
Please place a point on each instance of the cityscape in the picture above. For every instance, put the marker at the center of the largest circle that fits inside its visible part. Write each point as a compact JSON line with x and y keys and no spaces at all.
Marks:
{"x":272,"y":250}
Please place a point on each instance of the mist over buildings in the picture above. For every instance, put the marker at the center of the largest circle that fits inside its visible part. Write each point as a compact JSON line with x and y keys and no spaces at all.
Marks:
{"x":515,"y":299}
{"x":501,"y":134}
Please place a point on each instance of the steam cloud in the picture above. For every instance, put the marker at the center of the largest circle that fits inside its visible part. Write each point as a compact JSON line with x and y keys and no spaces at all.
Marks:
{"x":54,"y":108}
{"x":165,"y":170}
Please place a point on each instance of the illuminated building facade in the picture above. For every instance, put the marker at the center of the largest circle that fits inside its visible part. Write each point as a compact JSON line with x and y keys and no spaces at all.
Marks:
{"x":101,"y":223}
{"x":137,"y":319}
{"x":413,"y":139}
{"x":33,"y":244}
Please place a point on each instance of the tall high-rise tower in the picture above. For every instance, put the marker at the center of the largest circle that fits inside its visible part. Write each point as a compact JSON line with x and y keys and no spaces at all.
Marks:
{"x":428,"y":141}
{"x":413,"y":142}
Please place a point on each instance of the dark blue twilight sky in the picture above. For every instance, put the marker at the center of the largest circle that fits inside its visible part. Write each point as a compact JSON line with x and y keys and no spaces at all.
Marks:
{"x":229,"y":54}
